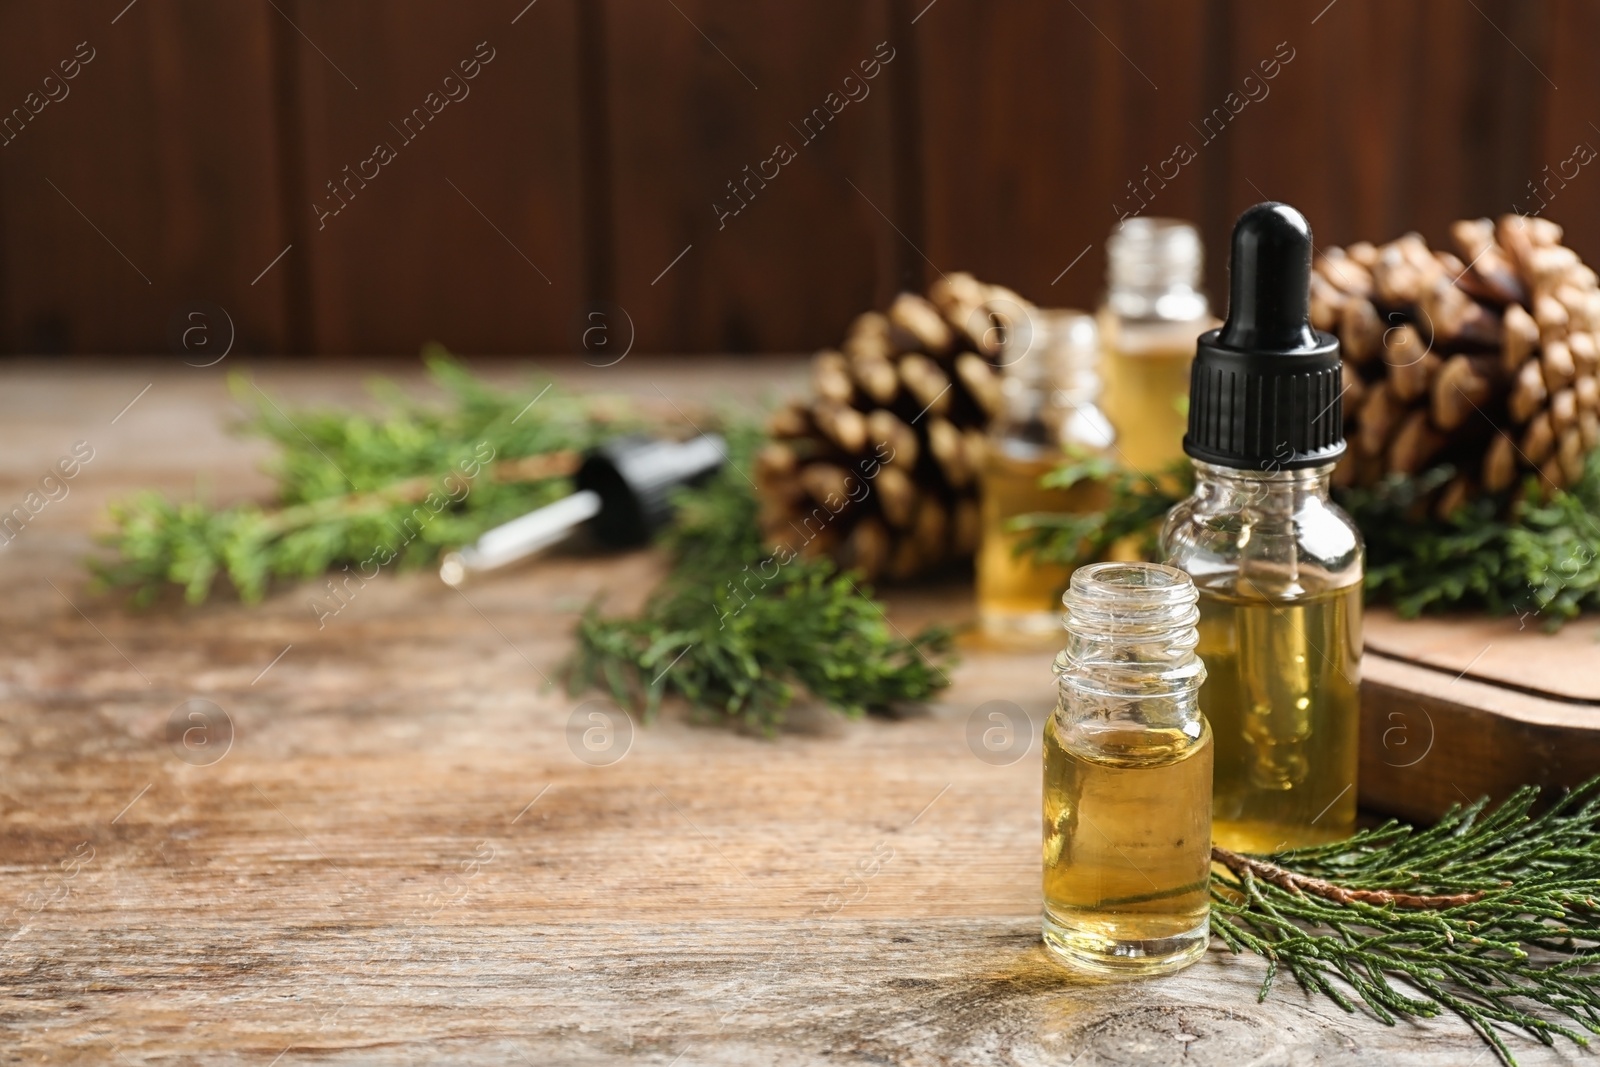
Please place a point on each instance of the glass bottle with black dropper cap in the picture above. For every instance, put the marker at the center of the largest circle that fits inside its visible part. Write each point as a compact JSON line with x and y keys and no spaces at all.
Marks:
{"x":1277,"y":563}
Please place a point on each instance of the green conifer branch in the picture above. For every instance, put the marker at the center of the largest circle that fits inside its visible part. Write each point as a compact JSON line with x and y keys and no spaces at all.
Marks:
{"x":740,"y":632}
{"x":732,"y":631}
{"x":355,"y":488}
{"x":1514,"y":956}
{"x":1538,"y":559}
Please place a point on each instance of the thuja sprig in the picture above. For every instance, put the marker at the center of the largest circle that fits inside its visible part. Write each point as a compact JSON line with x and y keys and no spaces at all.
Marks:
{"x":401,"y":484}
{"x":1135,"y":507}
{"x":1538,"y":558}
{"x":739,"y":632}
{"x":1492,"y":914}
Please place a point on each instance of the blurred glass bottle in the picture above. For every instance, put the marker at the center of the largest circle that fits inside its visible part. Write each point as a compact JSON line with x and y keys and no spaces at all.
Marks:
{"x":1048,"y":416}
{"x":1153,"y":312}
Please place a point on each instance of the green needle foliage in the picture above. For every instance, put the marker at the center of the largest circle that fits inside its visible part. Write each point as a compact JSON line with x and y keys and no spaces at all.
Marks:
{"x":739,"y":632}
{"x":356,"y":489}
{"x":1540,"y":560}
{"x":1515,"y":955}
{"x":734,"y":630}
{"x":1137,"y":506}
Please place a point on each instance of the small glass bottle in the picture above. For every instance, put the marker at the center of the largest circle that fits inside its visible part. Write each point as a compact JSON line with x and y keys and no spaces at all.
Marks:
{"x":1153,"y":312}
{"x":1049,"y":387}
{"x":1277,"y":563}
{"x":1127,"y":777}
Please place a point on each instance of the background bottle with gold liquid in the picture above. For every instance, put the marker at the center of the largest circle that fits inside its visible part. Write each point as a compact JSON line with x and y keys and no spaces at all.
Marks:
{"x":1277,"y":563}
{"x":1153,"y":312}
{"x":1127,"y":776}
{"x":1049,"y":386}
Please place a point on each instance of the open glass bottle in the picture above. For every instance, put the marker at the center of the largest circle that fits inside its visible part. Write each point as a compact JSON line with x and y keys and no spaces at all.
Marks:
{"x":1127,"y":777}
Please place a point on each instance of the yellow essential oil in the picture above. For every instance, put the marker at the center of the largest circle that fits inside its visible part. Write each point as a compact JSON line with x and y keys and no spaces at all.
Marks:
{"x":1127,"y":777}
{"x":1146,"y":373}
{"x":1283,"y":697}
{"x":1048,"y":417}
{"x":1017,"y":595}
{"x":1278,"y":563}
{"x":1153,"y":312}
{"x":1127,"y":844}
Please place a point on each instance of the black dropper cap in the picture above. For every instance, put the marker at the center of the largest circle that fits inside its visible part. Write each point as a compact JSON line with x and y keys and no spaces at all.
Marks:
{"x":1264,"y":392}
{"x":634,"y":477}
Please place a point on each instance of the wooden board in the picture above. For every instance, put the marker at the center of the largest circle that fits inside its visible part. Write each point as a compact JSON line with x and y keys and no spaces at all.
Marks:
{"x":999,"y":140}
{"x":399,"y":858}
{"x":1026,"y":174}
{"x":150,"y":185}
{"x":698,"y":91}
{"x":472,"y":234}
{"x":1567,"y":125}
{"x":1457,"y":709}
{"x":1515,"y":652}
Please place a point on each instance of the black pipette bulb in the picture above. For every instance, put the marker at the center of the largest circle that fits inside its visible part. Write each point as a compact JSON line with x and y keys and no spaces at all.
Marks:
{"x":623,"y":494}
{"x":1264,"y":392}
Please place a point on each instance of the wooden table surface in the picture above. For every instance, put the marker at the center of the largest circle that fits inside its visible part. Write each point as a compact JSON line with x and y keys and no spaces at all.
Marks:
{"x":401,"y":859}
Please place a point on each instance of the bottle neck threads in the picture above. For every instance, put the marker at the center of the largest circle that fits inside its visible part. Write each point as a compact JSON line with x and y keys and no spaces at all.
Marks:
{"x":1131,"y":631}
{"x":1273,"y":491}
{"x":1153,"y":270}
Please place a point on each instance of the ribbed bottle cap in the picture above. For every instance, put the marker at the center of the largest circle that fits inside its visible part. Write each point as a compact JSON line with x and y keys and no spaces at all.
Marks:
{"x":1264,"y":392}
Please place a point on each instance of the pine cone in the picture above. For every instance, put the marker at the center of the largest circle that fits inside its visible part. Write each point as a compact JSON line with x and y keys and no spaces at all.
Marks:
{"x":1485,"y":358}
{"x":879,"y":469}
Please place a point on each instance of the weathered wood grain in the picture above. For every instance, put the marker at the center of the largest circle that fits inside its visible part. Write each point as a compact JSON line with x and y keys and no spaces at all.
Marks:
{"x":1512,"y":651}
{"x":1459,"y":708}
{"x":401,"y":860}
{"x":1556,"y":187}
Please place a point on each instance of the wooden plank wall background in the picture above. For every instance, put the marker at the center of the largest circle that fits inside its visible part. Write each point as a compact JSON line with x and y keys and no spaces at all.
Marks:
{"x":582,"y":170}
